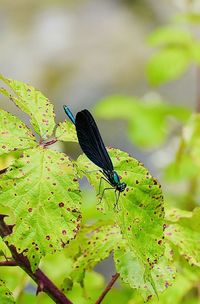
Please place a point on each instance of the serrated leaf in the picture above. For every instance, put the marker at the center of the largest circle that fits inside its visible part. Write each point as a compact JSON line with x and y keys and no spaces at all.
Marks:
{"x":170,"y":36}
{"x":97,"y":246}
{"x":5,"y":294}
{"x":34,"y":103}
{"x":66,"y":132}
{"x":42,"y":192}
{"x":14,"y":135}
{"x":142,"y":116}
{"x":141,"y":209}
{"x":168,"y":64}
{"x":133,"y":272}
{"x":185,"y":234}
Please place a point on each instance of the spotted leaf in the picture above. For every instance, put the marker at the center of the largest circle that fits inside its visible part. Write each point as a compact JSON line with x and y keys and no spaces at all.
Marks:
{"x":185,"y":234}
{"x":14,"y":135}
{"x":34,"y":103}
{"x":42,"y":192}
{"x":66,"y":132}
{"x":149,"y":282}
{"x":5,"y":294}
{"x":96,"y":246}
{"x":141,"y":210}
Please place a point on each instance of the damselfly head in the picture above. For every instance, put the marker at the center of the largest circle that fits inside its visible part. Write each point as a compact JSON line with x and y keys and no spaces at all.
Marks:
{"x":121,"y":187}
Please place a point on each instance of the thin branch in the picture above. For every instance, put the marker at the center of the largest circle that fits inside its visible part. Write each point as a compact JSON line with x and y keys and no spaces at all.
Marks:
{"x":8,"y":263}
{"x":108,"y":287}
{"x":49,"y":143}
{"x":38,"y":276}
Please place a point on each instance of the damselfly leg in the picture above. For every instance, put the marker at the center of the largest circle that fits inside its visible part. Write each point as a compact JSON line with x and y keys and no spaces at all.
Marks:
{"x":116,"y":206}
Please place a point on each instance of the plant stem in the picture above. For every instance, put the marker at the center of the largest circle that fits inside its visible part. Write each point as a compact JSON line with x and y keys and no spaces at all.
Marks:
{"x":49,"y":143}
{"x":43,"y":282}
{"x":8,"y":263}
{"x":108,"y":287}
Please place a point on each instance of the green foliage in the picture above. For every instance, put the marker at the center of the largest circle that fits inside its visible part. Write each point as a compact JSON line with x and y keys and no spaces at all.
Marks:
{"x":178,"y":49}
{"x":5,"y":295}
{"x":155,"y":247}
{"x":65,"y":131}
{"x":168,"y":64}
{"x":152,"y":115}
{"x":140,"y":218}
{"x":184,"y":233}
{"x":34,"y":103}
{"x":168,"y":36}
{"x":132,"y":271}
{"x":39,"y":189}
{"x":14,"y":135}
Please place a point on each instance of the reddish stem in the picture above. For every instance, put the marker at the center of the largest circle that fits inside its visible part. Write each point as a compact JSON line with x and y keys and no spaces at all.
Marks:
{"x":51,"y":142}
{"x":38,"y":276}
{"x":108,"y":287}
{"x":8,"y":263}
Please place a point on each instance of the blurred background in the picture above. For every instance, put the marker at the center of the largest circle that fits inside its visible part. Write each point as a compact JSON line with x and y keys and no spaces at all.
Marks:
{"x":78,"y":52}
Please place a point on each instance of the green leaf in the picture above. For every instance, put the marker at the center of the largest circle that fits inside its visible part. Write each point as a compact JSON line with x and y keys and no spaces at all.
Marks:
{"x":97,"y":246}
{"x":168,"y":64}
{"x":42,"y":193}
{"x":66,"y":132}
{"x":170,"y":36}
{"x":141,"y":210}
{"x":14,"y":135}
{"x":5,"y":294}
{"x":185,"y":234}
{"x":133,"y":272}
{"x":34,"y":103}
{"x":142,"y":116}
{"x":186,"y":279}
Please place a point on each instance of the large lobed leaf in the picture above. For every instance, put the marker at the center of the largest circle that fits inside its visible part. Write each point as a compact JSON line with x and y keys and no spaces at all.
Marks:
{"x":42,"y":192}
{"x":14,"y":135}
{"x":141,"y":211}
{"x":5,"y":295}
{"x":34,"y":103}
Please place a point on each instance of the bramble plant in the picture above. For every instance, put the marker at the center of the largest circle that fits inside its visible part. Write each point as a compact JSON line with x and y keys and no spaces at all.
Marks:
{"x":52,"y":230}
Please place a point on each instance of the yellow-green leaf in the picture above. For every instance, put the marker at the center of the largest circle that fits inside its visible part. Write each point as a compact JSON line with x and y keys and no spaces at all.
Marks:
{"x":5,"y":294}
{"x":42,"y":192}
{"x":34,"y":103}
{"x":14,"y":134}
{"x":141,"y":208}
{"x":66,"y":132}
{"x":185,"y":234}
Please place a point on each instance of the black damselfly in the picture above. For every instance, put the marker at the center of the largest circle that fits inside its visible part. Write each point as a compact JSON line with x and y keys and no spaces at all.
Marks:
{"x":93,"y":146}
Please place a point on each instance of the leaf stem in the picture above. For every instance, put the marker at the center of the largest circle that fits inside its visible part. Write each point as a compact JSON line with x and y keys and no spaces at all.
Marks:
{"x":8,"y":263}
{"x":49,"y":143}
{"x":38,"y":276}
{"x":108,"y":287}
